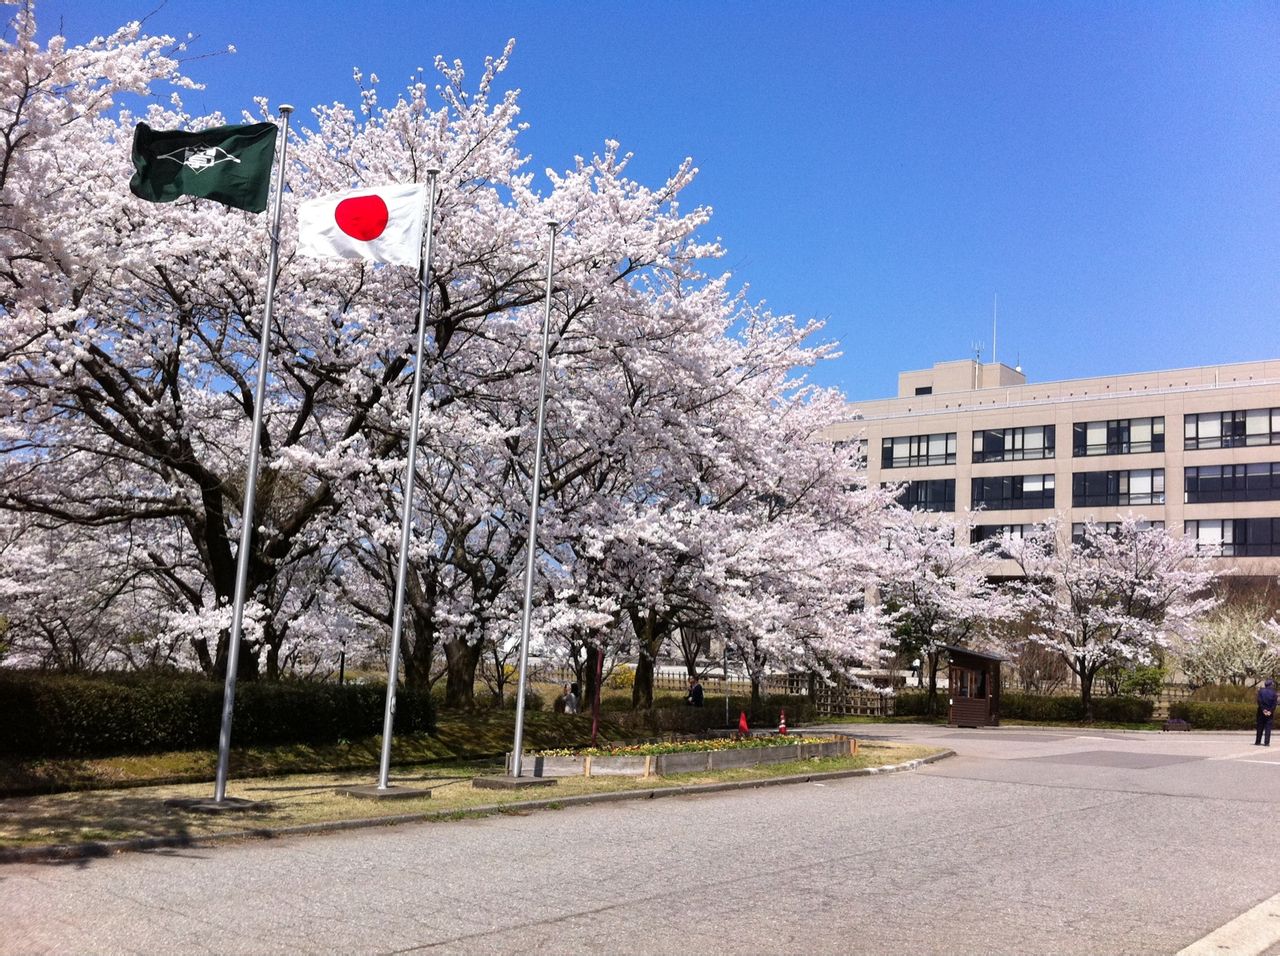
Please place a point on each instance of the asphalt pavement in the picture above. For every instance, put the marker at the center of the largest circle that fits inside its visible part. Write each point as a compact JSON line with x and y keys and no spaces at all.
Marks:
{"x":1028,"y":841}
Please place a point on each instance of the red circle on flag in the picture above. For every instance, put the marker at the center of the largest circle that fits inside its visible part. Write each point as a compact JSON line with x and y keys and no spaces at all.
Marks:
{"x":362,"y":217}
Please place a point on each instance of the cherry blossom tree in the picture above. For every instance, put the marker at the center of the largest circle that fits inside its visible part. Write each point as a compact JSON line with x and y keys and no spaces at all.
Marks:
{"x":72,"y":605}
{"x":686,"y":483}
{"x":942,"y":593}
{"x":1112,"y":596}
{"x":1238,"y":643}
{"x":128,"y":351}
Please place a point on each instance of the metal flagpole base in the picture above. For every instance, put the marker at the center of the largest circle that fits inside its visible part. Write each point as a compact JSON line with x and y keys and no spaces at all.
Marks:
{"x":373,"y":792}
{"x":508,"y":782}
{"x":210,"y":805}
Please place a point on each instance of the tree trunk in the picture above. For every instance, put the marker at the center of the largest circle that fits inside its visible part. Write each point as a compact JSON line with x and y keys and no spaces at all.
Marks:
{"x":931,"y":703}
{"x":419,"y":655}
{"x":642,"y":689}
{"x":597,"y":680}
{"x":1086,"y":692}
{"x":650,"y":634}
{"x":461,"y":659}
{"x":757,"y":703}
{"x":588,"y":684}
{"x":273,"y":661}
{"x":201,"y":646}
{"x":246,"y":664}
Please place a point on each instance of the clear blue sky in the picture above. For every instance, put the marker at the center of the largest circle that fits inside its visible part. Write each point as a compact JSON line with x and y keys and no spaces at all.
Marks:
{"x":1109,"y":169}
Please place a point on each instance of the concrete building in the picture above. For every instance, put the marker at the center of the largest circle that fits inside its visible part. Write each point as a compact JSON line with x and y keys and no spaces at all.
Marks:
{"x":1195,"y":449}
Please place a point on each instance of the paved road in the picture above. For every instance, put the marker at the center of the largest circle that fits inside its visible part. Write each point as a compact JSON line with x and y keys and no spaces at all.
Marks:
{"x":1027,"y":842}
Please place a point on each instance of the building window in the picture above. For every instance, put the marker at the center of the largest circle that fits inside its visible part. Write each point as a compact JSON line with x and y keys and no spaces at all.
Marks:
{"x":996,"y":532}
{"x":1124,"y":436}
{"x":989,"y":532}
{"x":1213,"y":483}
{"x":1254,"y":426}
{"x":909,"y":451}
{"x":1236,"y":537}
{"x":938,"y":495}
{"x":1109,"y":527}
{"x":1139,"y":487}
{"x":1002,"y":493}
{"x":1013,"y":444}
{"x":924,"y":389}
{"x":857,"y":447}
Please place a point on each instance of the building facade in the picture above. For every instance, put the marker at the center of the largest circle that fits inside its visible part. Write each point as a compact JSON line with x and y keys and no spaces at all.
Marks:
{"x":1196,"y":450}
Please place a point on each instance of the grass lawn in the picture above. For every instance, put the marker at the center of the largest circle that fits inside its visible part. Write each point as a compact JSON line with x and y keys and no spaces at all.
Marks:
{"x":459,"y":737}
{"x":97,"y":815}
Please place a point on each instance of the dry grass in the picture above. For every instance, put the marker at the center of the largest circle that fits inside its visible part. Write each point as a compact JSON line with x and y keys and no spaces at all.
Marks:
{"x":101,"y":815}
{"x":458,"y":738}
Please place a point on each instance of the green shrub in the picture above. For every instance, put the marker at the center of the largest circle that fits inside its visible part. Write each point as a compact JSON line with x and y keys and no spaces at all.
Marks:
{"x":1016,"y":706}
{"x":1130,"y":710}
{"x":915,"y":703}
{"x":1215,"y":715}
{"x":1146,"y":680}
{"x":56,"y":715}
{"x":1124,"y":710}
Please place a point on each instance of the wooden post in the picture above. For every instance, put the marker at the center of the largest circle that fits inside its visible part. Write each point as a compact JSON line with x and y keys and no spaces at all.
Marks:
{"x":586,"y":766}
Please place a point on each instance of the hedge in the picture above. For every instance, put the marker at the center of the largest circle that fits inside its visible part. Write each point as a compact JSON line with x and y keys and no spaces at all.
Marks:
{"x":1126,"y":710}
{"x":915,"y":703}
{"x":1015,"y":706}
{"x":1215,"y":715}
{"x":673,"y":715}
{"x":44,"y":715}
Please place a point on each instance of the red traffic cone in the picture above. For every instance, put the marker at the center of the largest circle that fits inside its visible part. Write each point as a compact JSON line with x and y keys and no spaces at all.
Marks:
{"x":742,"y":723}
{"x":782,"y":722}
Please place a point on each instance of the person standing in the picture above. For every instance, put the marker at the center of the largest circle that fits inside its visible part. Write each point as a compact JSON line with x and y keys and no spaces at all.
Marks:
{"x":1266,"y":713}
{"x":694,"y":699}
{"x":571,"y":699}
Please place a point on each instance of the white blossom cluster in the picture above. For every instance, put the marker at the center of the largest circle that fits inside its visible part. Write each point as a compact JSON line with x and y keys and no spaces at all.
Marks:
{"x":685,"y":486}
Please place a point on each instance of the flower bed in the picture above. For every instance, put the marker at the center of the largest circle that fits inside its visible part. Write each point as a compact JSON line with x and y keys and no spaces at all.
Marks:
{"x":688,"y":756}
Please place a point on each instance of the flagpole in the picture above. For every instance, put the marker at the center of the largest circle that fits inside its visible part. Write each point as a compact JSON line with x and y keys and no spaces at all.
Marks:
{"x":251,"y":480}
{"x":406,"y":514}
{"x":531,"y":545}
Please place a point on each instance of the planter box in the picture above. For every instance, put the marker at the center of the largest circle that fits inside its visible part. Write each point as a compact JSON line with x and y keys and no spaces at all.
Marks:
{"x":692,"y":762}
{"x":684,"y":763}
{"x":619,"y":766}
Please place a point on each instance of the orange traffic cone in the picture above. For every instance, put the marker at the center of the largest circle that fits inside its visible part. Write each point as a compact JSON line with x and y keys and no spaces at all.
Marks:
{"x":782,"y":722}
{"x":742,"y":723}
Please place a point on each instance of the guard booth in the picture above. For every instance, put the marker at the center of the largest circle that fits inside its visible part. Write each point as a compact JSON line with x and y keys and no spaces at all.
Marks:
{"x":975,"y":688}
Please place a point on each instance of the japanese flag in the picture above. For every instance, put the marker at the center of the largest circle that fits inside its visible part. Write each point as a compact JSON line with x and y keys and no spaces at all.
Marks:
{"x":382,"y":224}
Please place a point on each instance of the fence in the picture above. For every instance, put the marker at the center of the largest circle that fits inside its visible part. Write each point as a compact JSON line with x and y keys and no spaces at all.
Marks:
{"x":833,"y":700}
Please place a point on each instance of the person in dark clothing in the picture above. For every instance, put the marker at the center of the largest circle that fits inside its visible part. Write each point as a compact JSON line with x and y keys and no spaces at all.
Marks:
{"x":695,"y":693}
{"x":1266,"y":713}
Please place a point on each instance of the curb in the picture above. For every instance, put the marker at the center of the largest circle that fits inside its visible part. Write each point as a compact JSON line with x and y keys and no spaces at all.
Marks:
{"x":85,"y":851}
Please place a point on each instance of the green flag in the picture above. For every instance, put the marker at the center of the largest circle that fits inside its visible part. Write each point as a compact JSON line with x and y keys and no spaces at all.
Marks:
{"x":228,"y":164}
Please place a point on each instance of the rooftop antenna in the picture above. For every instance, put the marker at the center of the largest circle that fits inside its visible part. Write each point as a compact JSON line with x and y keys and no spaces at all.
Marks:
{"x":995,"y":316}
{"x":977,"y":360}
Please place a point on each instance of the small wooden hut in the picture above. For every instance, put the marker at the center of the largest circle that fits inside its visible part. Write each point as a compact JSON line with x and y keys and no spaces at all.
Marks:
{"x":975,"y":688}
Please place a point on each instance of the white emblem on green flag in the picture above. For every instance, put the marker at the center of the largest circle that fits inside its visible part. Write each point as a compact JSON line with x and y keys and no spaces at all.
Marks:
{"x":198,"y":160}
{"x":228,"y":164}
